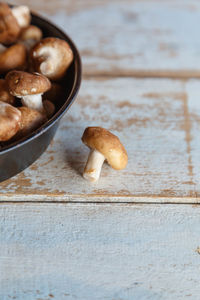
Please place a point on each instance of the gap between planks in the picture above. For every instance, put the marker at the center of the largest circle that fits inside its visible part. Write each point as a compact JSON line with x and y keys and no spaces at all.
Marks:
{"x":165,"y":74}
{"x":98,"y":199}
{"x":97,"y":203}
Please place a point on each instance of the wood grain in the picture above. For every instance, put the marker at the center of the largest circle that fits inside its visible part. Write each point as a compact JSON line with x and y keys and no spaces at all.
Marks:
{"x":111,"y":250}
{"x":131,"y":38}
{"x":158,"y":122}
{"x":63,"y":251}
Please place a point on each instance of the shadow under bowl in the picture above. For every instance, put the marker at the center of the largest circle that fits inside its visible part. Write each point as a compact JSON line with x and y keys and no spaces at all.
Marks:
{"x":17,"y":156}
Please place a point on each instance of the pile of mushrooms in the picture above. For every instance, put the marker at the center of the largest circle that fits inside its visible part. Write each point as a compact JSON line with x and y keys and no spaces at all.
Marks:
{"x":31,"y":68}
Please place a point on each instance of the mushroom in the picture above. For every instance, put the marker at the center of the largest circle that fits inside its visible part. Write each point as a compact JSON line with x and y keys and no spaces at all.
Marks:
{"x":5,"y":96}
{"x":31,"y":119}
{"x":22,"y":15}
{"x":30,"y":35}
{"x":10,"y":118}
{"x":29,"y":87}
{"x":51,"y":57}
{"x":9,"y":27}
{"x":104,"y":146}
{"x":13,"y":57}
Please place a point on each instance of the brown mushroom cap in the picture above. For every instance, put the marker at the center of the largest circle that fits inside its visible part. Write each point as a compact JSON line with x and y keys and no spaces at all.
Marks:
{"x":5,"y":96}
{"x":9,"y":28}
{"x":10,"y":118}
{"x":22,"y":83}
{"x":107,"y":144}
{"x":61,"y":53}
{"x":31,"y":119}
{"x":13,"y":57}
{"x":31,"y":33}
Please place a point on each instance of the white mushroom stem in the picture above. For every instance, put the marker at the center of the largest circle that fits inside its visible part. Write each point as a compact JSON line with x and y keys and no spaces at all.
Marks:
{"x":93,"y":166}
{"x":33,"y":101}
{"x":22,"y":15}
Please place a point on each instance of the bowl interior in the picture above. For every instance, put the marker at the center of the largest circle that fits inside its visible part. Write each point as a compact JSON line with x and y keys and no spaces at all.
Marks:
{"x":69,"y":85}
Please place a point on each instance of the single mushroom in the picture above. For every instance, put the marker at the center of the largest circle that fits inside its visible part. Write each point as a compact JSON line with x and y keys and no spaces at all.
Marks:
{"x":22,"y":15}
{"x":5,"y":96}
{"x":51,"y":57}
{"x":10,"y":118}
{"x":104,"y":146}
{"x":9,"y":27}
{"x":13,"y":57}
{"x":29,"y":87}
{"x":31,"y":119}
{"x":30,"y":35}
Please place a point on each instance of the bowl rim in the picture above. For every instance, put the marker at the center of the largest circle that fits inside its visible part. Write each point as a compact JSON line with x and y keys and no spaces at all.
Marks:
{"x":68,"y":102}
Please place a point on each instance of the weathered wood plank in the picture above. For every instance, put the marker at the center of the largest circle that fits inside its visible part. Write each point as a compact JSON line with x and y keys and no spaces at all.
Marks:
{"x":63,"y":251}
{"x":158,"y":122}
{"x":135,"y":38}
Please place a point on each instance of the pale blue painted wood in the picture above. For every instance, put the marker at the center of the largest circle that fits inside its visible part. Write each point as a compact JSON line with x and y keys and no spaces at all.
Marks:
{"x":159,"y":38}
{"x":96,"y":252}
{"x":159,"y":126}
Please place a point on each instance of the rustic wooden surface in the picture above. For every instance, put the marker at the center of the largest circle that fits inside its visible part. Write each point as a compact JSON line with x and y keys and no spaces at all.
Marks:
{"x":64,"y":238}
{"x":131,"y":37}
{"x":157,"y":120}
{"x":90,"y":251}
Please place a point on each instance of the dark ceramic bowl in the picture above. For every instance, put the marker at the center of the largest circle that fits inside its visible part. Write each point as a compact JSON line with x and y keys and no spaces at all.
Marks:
{"x":19,"y":155}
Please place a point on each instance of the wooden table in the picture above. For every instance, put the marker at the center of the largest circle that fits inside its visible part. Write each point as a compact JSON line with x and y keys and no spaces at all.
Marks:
{"x":136,"y":233}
